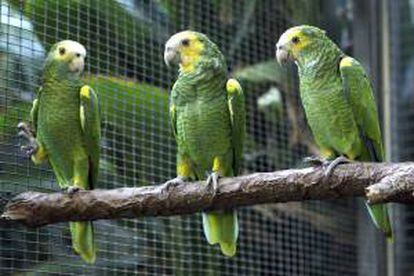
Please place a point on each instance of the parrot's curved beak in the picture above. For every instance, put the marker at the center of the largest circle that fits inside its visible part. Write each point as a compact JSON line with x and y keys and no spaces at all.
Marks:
{"x":282,"y":54}
{"x":171,"y":56}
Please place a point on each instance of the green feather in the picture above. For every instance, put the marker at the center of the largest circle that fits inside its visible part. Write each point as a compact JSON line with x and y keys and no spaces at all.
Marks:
{"x":68,"y":129}
{"x":83,"y":240}
{"x":208,"y":122}
{"x":340,"y":107}
{"x":358,"y":91}
{"x":222,"y":228}
{"x":380,"y":217}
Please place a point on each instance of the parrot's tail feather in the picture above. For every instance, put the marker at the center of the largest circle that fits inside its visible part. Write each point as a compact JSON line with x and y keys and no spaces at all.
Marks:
{"x":379,"y":215}
{"x":83,"y":240}
{"x":222,"y":228}
{"x":228,"y":249}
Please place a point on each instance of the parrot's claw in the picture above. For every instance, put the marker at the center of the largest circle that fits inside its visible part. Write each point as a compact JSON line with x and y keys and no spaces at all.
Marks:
{"x":166,"y":187}
{"x":71,"y":190}
{"x":331,"y":165}
{"x":26,"y":133}
{"x":22,"y":126}
{"x":212,"y":182}
{"x":29,"y":150}
{"x":315,"y":161}
{"x":327,"y":165}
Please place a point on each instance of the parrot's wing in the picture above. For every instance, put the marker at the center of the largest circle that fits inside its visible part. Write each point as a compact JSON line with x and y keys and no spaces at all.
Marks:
{"x":91,"y":127}
{"x":358,"y":91}
{"x":238,"y":120}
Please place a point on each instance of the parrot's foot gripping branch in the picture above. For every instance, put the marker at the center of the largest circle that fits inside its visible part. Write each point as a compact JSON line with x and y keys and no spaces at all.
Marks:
{"x":167,"y":186}
{"x":328,"y":165}
{"x":315,"y":161}
{"x":212,"y":182}
{"x":31,"y":145}
{"x":331,"y":165}
{"x":71,"y":190}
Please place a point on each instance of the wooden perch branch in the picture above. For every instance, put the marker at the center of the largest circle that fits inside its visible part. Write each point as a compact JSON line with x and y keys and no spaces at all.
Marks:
{"x":379,"y":182}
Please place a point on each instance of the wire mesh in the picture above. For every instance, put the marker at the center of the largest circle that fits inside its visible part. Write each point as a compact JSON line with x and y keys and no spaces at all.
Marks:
{"x":402,"y":66}
{"x":125,"y":41}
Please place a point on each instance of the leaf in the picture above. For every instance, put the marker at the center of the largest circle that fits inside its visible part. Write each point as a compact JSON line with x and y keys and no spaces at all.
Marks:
{"x":136,"y":129}
{"x":271,"y":104}
{"x":267,"y":71}
{"x":114,"y":32}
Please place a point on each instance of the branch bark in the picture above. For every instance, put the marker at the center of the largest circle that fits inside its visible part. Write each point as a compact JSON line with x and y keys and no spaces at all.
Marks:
{"x":379,"y":182}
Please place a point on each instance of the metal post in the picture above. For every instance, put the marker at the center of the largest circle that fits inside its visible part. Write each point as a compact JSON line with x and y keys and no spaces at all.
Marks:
{"x":387,"y":104}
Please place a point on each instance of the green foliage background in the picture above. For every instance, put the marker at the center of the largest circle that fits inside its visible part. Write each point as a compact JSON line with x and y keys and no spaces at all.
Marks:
{"x":125,"y":66}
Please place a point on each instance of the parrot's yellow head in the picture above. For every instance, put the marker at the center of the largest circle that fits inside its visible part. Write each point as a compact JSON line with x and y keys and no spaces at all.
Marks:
{"x":295,"y":42}
{"x":185,"y":49}
{"x":68,"y":53}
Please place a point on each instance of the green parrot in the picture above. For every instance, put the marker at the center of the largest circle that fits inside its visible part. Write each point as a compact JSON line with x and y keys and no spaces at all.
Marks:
{"x":339,"y":103}
{"x":208,"y":121}
{"x":65,"y":118}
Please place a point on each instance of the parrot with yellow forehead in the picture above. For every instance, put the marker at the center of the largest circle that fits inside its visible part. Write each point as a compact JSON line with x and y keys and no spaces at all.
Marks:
{"x":339,"y":103}
{"x":65,"y":117}
{"x":207,"y":113}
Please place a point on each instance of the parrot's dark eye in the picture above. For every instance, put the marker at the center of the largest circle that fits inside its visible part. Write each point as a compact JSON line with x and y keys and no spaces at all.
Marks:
{"x":295,"y":40}
{"x":62,"y":51}
{"x":185,"y":42}
{"x":78,"y":55}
